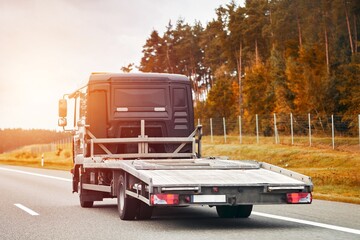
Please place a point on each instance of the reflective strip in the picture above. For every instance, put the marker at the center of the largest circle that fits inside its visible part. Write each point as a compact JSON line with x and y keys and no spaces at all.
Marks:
{"x":286,"y":188}
{"x":180,"y":189}
{"x":122,"y":109}
{"x":159,"y":109}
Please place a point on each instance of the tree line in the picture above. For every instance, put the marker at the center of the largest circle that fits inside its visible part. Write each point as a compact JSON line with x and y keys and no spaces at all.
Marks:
{"x":11,"y":139}
{"x":268,"y":56}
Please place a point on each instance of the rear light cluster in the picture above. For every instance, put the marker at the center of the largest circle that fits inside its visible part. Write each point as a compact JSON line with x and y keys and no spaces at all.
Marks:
{"x":174,"y":199}
{"x":299,"y":198}
{"x":164,"y":199}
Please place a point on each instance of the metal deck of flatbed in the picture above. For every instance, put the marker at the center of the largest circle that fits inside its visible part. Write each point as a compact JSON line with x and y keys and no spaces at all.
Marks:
{"x":204,"y":172}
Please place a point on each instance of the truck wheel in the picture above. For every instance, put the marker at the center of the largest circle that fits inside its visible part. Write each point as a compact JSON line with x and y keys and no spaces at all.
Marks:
{"x":127,"y":206}
{"x":144,"y":211}
{"x":243,"y":211}
{"x":83,"y":203}
{"x":226,"y":211}
{"x":86,"y":204}
{"x":240,"y":211}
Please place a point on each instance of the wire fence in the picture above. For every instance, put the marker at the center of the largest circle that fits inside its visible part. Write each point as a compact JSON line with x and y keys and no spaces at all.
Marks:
{"x":336,"y":132}
{"x":51,"y":147}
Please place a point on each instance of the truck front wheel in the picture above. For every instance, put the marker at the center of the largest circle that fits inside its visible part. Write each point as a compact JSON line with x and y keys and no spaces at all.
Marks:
{"x":127,"y":206}
{"x":84,"y":203}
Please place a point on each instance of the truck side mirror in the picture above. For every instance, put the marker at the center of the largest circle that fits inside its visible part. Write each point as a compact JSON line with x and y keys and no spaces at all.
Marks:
{"x":62,"y":122}
{"x":62,"y":108}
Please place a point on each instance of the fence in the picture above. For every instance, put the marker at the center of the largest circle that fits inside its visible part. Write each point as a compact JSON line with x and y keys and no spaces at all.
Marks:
{"x":332,"y":131}
{"x":336,"y":132}
{"x":51,"y":147}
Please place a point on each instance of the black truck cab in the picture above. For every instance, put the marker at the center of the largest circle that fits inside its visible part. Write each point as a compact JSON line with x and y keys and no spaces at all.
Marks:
{"x":112,"y":105}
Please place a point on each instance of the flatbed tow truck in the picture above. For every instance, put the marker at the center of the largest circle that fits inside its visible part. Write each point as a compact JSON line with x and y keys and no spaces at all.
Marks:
{"x":134,"y":139}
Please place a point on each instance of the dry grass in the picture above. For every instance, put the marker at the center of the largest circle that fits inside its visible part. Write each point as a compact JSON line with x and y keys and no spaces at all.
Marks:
{"x":61,"y":159}
{"x":335,"y":173}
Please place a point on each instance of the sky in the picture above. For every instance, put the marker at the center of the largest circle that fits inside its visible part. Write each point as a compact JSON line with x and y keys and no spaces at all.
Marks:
{"x":48,"y":47}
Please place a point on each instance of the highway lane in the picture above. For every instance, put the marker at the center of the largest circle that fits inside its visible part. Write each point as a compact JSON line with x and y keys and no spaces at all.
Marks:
{"x":61,"y":217}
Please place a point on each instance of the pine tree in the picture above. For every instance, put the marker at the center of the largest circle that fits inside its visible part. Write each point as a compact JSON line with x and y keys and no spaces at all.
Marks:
{"x":283,"y":95}
{"x":258,"y":90}
{"x":220,"y":102}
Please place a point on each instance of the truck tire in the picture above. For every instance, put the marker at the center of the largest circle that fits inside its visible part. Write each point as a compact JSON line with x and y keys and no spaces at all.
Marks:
{"x":240,"y":211}
{"x":144,"y":211}
{"x":83,"y":203}
{"x":243,"y":211}
{"x":226,"y":211}
{"x":127,"y":206}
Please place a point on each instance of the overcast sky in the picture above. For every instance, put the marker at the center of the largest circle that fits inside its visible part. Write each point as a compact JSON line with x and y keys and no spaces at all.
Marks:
{"x":47,"y":47}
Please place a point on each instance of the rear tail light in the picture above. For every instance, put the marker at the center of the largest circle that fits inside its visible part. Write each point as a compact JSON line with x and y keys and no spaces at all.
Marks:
{"x":164,"y":199}
{"x":299,"y":198}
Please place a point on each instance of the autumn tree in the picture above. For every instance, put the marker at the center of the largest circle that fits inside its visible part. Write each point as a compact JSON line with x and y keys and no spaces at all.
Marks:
{"x":259,"y":90}
{"x":154,"y":54}
{"x":349,"y":87}
{"x":282,"y":55}
{"x":221,"y":96}
{"x":283,"y":96}
{"x":128,"y":68}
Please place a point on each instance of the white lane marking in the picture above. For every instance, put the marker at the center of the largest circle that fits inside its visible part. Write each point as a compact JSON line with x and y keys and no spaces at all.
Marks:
{"x":35,"y":174}
{"x":28,"y":210}
{"x":316,"y":224}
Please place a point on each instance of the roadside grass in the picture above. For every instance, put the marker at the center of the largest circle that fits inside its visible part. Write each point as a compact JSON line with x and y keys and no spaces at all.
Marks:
{"x":61,"y":159}
{"x":335,"y":173}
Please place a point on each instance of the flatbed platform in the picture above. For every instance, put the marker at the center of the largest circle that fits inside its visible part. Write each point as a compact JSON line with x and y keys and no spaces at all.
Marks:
{"x":204,"y":172}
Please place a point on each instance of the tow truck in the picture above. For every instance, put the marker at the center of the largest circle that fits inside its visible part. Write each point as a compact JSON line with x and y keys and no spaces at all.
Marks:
{"x":134,"y":139}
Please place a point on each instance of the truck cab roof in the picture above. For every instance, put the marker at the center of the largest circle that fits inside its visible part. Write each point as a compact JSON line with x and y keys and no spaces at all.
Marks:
{"x":96,"y":77}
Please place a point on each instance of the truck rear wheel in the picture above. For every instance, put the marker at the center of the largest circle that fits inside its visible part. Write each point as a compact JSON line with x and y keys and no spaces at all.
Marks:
{"x":240,"y":211}
{"x":127,"y":206}
{"x":243,"y":211}
{"x":144,"y":211}
{"x":226,"y":211}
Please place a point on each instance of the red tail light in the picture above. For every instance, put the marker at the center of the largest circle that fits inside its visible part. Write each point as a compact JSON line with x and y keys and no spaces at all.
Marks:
{"x":164,"y":199}
{"x":299,"y":197}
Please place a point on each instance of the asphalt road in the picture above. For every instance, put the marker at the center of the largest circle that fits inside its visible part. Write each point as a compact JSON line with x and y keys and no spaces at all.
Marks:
{"x":38,"y":204}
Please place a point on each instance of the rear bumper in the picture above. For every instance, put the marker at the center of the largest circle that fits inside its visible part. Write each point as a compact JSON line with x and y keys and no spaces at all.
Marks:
{"x":236,"y":195}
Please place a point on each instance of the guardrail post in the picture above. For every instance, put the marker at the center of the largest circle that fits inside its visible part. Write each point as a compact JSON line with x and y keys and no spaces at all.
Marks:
{"x":240,"y":130}
{"x":257,"y":128}
{"x":309,"y":117}
{"x":292,"y":128}
{"x":275,"y":130}
{"x":332,"y":131}
{"x":211,"y":130}
{"x":224,"y":124}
